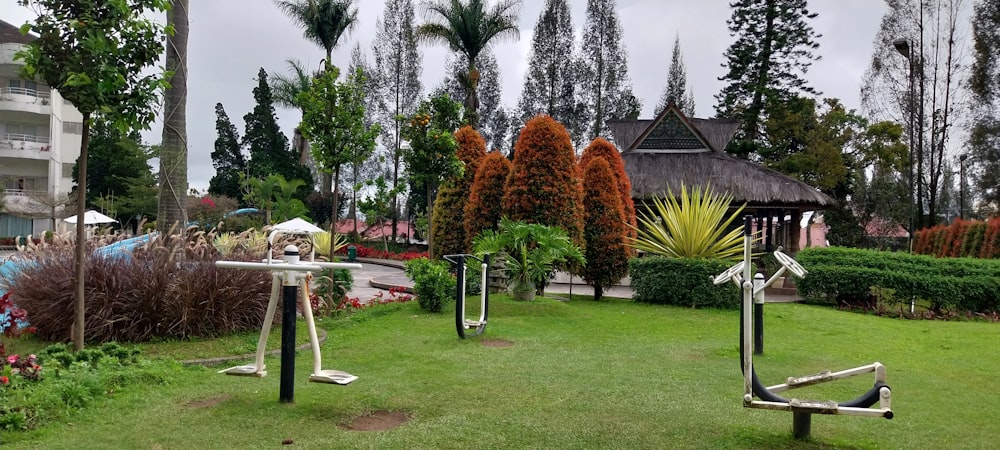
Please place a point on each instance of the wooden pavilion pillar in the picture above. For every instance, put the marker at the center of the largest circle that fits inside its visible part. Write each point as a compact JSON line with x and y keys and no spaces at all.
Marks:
{"x":796,"y":231}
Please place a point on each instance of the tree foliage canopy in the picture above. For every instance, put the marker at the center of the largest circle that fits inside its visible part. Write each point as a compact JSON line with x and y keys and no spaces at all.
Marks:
{"x":766,"y":64}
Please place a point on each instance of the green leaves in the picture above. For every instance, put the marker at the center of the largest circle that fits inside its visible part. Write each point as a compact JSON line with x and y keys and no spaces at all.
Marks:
{"x":691,"y":226}
{"x":530,"y":250}
{"x":333,"y":119}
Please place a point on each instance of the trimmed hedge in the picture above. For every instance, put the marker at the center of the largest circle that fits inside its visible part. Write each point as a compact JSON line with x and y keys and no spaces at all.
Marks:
{"x":682,"y":282}
{"x":970,"y":238}
{"x":847,"y":276}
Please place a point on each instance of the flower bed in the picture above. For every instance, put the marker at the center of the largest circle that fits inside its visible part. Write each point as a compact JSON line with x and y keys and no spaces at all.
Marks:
{"x":369,"y":252}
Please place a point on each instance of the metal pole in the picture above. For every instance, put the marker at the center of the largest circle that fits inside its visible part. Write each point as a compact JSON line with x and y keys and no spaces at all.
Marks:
{"x":801,"y":425}
{"x":961,"y":186}
{"x":913,"y":211}
{"x":290,"y":295}
{"x":460,"y":295}
{"x":758,"y":315}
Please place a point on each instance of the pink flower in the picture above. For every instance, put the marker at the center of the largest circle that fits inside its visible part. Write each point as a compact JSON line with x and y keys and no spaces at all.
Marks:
{"x":12,"y":359}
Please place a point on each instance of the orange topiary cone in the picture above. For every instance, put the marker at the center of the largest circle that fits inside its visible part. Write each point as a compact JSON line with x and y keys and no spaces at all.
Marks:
{"x":483,"y":210}
{"x":543,"y":186}
{"x":601,"y":148}
{"x":604,"y":228}
{"x":448,"y":224}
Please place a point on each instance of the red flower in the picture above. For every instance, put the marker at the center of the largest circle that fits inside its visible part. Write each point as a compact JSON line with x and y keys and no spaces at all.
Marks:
{"x":4,"y":381}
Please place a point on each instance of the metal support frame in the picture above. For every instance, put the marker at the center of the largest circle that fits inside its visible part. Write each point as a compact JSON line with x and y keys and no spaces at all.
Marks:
{"x":880,"y":393}
{"x":462,"y":324}
{"x":288,"y":274}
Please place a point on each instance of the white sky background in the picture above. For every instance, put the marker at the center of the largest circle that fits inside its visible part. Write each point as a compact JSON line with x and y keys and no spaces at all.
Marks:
{"x":231,"y":39}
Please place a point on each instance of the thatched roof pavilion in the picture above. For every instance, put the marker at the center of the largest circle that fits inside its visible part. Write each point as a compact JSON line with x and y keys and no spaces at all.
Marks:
{"x":672,"y":149}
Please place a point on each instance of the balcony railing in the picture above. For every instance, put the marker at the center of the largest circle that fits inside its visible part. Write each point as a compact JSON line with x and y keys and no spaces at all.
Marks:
{"x":19,"y":137}
{"x":6,"y":93}
{"x":23,"y":193}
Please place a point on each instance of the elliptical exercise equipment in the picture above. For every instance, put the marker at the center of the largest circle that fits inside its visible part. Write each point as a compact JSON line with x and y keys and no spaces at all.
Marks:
{"x":462,"y":324}
{"x":288,"y":274}
{"x":802,"y":410}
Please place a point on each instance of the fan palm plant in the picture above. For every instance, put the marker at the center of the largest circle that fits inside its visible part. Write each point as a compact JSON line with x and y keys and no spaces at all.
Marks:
{"x":529,"y":252}
{"x":690,"y":226}
{"x":468,"y":27}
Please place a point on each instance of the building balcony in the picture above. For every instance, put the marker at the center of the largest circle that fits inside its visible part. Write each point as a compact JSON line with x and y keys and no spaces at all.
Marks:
{"x":25,"y":146}
{"x":24,"y":99}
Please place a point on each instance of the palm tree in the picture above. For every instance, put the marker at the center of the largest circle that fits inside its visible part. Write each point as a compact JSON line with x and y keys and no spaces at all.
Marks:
{"x":173,"y":152}
{"x":469,"y":28}
{"x":323,"y":22}
{"x":285,"y":90}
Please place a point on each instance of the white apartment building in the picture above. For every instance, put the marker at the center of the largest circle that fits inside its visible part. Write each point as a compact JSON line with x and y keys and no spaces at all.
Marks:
{"x":40,"y":136}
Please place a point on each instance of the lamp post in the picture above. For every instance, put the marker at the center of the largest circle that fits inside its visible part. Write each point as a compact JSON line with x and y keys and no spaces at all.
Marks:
{"x":961,"y":185}
{"x":904,"y":48}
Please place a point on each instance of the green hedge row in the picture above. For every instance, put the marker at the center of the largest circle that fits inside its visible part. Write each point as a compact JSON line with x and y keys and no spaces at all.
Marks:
{"x":681,"y":282}
{"x":847,"y":276}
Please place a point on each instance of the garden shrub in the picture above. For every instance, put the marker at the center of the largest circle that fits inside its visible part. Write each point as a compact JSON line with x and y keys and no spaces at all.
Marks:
{"x":681,"y":282}
{"x":433,"y":285}
{"x":483,"y":210}
{"x":544,"y":186}
{"x":171,"y":288}
{"x":847,"y":276}
{"x":604,"y":229}
{"x":601,"y":148}
{"x":448,"y":216}
{"x":961,"y":238}
{"x":72,"y":381}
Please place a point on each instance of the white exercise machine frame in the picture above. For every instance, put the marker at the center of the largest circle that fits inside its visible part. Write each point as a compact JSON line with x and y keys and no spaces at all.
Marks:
{"x":741,"y":275}
{"x":289,"y":271}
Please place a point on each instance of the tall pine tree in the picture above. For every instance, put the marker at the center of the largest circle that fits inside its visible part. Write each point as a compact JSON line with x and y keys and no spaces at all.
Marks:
{"x":398,"y":68}
{"x":605,"y":89}
{"x":677,"y":89}
{"x":766,"y":64}
{"x":549,"y":83}
{"x":984,"y":84}
{"x":268,"y":146}
{"x":227,"y":158}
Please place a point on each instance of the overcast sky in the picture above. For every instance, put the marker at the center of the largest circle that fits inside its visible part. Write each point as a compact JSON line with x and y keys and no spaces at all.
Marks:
{"x":231,"y":39}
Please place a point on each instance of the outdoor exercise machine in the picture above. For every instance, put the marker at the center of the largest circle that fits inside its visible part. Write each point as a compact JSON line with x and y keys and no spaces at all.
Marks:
{"x":288,"y":274}
{"x":462,"y":324}
{"x":802,"y":410}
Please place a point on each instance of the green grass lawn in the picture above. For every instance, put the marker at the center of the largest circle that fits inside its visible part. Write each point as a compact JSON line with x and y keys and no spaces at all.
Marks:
{"x":578,"y":375}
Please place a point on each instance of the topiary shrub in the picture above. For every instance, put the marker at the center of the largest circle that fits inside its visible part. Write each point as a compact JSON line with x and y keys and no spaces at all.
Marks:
{"x":448,"y":216}
{"x":484,"y":208}
{"x":432,"y":283}
{"x":604,"y":229}
{"x":544,"y":186}
{"x":601,"y":148}
{"x":681,"y":282}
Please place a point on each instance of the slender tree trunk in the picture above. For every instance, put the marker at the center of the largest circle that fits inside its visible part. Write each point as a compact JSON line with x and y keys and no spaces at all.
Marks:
{"x":336,"y":207}
{"x":81,"y":236}
{"x":173,"y":154}
{"x":757,"y":104}
{"x":598,"y":292}
{"x":327,"y":177}
{"x":430,"y":223}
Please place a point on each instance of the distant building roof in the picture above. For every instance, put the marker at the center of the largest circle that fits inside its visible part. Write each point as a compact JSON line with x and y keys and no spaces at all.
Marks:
{"x":10,"y":34}
{"x":672,"y":149}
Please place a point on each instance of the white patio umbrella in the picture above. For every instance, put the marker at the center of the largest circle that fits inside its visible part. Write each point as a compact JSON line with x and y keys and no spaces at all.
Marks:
{"x":90,"y":218}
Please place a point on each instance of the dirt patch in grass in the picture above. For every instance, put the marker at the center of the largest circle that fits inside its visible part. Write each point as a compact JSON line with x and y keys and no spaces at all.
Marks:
{"x":496,"y":343}
{"x":380,"y":420}
{"x":207,"y":402}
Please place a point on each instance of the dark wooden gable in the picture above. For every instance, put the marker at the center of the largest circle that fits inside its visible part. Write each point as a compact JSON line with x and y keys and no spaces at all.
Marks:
{"x":671,"y":132}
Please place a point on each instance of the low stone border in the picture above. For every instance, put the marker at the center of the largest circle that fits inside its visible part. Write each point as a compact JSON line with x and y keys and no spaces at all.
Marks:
{"x":321,"y":335}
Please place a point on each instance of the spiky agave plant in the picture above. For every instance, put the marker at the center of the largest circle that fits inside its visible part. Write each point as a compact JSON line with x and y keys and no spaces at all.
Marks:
{"x":690,"y":226}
